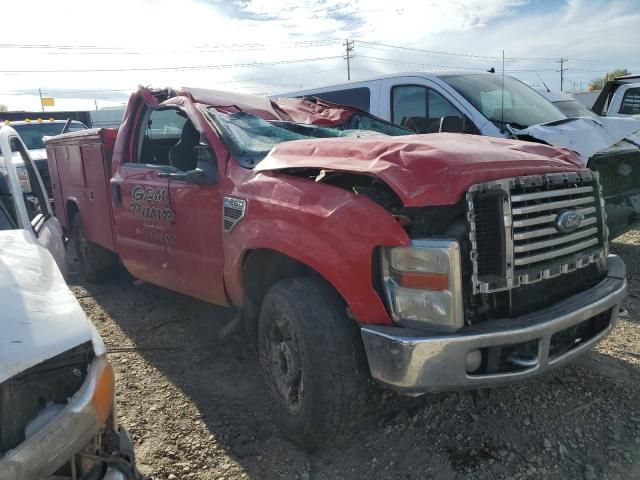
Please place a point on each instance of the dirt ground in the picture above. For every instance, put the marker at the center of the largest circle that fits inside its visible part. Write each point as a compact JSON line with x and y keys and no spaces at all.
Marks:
{"x":197,"y":408}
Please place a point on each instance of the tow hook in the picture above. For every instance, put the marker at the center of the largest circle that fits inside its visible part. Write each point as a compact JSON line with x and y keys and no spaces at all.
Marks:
{"x":523,"y":360}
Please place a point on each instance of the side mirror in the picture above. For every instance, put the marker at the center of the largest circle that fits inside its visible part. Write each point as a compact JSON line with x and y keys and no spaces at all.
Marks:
{"x":451,"y":124}
{"x":207,"y":163}
{"x":195,"y":176}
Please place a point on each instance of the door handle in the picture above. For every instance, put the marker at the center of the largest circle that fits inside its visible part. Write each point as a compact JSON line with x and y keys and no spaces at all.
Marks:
{"x":116,"y":195}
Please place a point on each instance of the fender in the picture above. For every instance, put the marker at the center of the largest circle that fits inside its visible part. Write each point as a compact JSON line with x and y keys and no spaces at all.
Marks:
{"x":333,"y":231}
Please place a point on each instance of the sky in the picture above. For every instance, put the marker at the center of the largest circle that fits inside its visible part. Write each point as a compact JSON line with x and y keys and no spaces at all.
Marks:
{"x":88,"y":54}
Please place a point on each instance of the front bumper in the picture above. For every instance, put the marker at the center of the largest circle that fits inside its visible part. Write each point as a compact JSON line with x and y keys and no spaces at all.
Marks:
{"x":411,"y":362}
{"x":42,"y":454}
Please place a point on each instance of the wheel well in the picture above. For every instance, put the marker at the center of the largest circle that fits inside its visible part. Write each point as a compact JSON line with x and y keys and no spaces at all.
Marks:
{"x":261,"y":269}
{"x":72,"y":210}
{"x":265,"y":267}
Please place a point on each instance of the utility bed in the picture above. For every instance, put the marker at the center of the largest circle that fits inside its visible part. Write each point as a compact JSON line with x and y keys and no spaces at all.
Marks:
{"x":80,"y":168}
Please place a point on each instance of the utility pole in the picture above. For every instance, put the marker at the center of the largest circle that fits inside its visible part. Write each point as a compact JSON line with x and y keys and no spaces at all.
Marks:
{"x":562,"y":61}
{"x":41,"y":104}
{"x":349,"y":48}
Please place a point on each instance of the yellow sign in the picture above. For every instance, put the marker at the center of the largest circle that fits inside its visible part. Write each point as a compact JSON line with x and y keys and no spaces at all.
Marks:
{"x":48,"y":101}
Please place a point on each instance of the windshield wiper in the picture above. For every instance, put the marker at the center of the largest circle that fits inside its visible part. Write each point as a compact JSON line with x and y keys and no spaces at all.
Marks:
{"x":509,"y":125}
{"x":561,"y":122}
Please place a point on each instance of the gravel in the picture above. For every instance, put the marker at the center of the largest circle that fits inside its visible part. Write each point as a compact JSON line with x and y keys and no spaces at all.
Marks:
{"x":196,"y":406}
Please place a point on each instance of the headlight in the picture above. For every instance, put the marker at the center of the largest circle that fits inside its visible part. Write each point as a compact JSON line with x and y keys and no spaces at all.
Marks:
{"x":423,"y":284}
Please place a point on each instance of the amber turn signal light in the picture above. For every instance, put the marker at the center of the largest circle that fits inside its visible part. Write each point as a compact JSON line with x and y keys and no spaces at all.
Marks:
{"x":423,"y":281}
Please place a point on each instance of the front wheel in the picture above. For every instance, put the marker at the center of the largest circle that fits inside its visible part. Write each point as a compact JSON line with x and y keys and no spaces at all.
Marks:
{"x":314,"y":362}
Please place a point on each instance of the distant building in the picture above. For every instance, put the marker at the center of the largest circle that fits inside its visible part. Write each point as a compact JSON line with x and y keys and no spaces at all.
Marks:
{"x":108,"y":117}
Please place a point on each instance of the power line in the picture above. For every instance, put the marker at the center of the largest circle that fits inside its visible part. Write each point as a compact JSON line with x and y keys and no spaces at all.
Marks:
{"x":56,"y":91}
{"x":430,"y":65}
{"x":438,"y":52}
{"x":181,"y":68}
{"x":204,"y":48}
{"x":475,"y":56}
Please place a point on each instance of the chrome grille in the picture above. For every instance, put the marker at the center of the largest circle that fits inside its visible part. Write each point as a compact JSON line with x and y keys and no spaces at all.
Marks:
{"x":528,"y":244}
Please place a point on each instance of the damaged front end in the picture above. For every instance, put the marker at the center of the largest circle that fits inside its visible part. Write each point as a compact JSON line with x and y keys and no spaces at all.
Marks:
{"x":57,"y":388}
{"x":57,"y":418}
{"x":503,"y":292}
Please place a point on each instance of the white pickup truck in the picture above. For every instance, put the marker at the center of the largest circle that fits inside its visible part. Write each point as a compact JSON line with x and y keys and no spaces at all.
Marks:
{"x":502,"y":106}
{"x":57,"y":411}
{"x":619,"y":97}
{"x":24,"y":203}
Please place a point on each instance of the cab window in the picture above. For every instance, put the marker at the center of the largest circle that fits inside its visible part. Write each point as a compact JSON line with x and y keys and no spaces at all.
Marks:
{"x":631,"y":102}
{"x":422,"y":110}
{"x":169,"y":139}
{"x":356,"y":97}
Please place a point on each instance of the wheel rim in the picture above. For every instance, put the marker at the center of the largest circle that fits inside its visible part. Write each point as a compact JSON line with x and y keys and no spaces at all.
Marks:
{"x":284,"y":365}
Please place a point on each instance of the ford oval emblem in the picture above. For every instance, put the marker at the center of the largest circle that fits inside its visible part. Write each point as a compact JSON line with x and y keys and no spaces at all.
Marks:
{"x":568,"y":221}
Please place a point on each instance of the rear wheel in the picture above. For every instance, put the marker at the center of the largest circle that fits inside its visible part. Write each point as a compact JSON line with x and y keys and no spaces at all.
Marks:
{"x":96,"y":262}
{"x":313,"y":360}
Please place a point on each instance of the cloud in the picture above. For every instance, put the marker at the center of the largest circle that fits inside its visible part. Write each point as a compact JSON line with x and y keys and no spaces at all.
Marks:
{"x":145,"y":34}
{"x":394,"y":21}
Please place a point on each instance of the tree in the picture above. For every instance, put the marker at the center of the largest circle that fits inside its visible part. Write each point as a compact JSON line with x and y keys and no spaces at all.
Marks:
{"x":4,"y":108}
{"x":598,"y":83}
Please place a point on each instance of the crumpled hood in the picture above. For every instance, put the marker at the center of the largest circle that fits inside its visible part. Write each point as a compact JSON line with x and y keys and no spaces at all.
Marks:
{"x":433,"y":169}
{"x":39,"y":316}
{"x":585,"y":135}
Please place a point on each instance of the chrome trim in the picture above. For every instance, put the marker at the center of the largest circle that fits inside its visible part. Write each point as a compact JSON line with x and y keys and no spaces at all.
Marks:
{"x":556,"y":253}
{"x":552,"y":205}
{"x":414,"y":362}
{"x":547,"y":218}
{"x":232,"y":204}
{"x":72,"y":429}
{"x":555,"y":241}
{"x":550,"y":193}
{"x":508,"y":281}
{"x":550,"y":230}
{"x":515,"y":252}
{"x":455,"y":277}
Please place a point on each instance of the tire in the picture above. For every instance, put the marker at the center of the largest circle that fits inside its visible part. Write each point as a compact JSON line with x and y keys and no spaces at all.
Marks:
{"x":314,"y":362}
{"x":96,"y":263}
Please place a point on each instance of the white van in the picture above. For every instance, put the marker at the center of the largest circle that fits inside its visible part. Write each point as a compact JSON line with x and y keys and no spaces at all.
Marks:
{"x":432,"y":102}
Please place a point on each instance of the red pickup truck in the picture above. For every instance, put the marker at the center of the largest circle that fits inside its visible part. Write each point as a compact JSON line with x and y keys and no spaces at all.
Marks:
{"x":428,"y":262}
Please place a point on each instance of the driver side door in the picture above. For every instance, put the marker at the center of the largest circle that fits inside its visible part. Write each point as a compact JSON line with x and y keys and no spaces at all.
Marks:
{"x":25,"y":203}
{"x":140,"y":192}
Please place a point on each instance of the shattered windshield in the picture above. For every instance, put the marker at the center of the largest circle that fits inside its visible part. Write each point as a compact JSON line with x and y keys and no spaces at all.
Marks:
{"x":517,"y":104}
{"x":250,"y":138}
{"x":573,"y":108}
{"x":32,"y":133}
